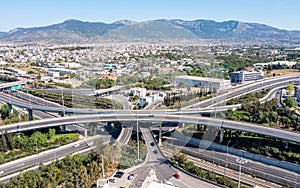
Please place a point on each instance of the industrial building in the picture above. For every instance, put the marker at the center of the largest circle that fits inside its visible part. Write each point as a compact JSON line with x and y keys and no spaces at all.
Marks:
{"x":243,"y":76}
{"x":201,"y":82}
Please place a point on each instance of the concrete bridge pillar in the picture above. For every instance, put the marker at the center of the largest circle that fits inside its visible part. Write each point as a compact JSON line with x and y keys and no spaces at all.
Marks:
{"x":62,"y":114}
{"x":159,"y":134}
{"x":30,"y":115}
{"x":221,"y":135}
{"x":85,"y":133}
{"x":181,"y":125}
{"x":64,"y":128}
{"x":10,"y":108}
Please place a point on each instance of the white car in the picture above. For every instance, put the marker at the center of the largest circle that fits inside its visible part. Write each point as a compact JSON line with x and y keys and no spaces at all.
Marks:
{"x":75,"y":145}
{"x":90,"y":143}
{"x":1,"y":172}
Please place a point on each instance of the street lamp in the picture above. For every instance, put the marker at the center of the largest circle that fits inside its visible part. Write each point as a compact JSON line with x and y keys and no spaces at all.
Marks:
{"x":241,"y":161}
{"x":296,"y":179}
{"x":226,"y":157}
{"x":137,"y":138}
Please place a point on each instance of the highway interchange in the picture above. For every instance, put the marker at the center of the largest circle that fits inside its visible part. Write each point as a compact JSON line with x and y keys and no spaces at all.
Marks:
{"x":153,"y":116}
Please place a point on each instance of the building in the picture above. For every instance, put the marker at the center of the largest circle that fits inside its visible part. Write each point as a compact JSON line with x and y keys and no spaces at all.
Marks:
{"x":16,"y":71}
{"x":286,"y":63}
{"x":140,"y":92}
{"x":243,"y":76}
{"x":53,"y":74}
{"x":62,"y":71}
{"x":297,"y":92}
{"x":201,"y":82}
{"x":144,"y":100}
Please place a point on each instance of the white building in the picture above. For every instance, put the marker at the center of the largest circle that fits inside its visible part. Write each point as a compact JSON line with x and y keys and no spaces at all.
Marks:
{"x":201,"y":82}
{"x":287,"y":63}
{"x":243,"y":76}
{"x":62,"y":71}
{"x":53,"y":74}
{"x":140,"y":92}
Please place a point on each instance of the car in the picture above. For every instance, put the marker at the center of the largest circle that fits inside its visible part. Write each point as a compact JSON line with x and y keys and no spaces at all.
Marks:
{"x":177,"y":175}
{"x":155,"y":151}
{"x":151,"y":116}
{"x":152,"y":144}
{"x":90,"y":143}
{"x":113,"y":180}
{"x":119,"y":174}
{"x":130,"y":177}
{"x":1,"y":172}
{"x":76,"y":145}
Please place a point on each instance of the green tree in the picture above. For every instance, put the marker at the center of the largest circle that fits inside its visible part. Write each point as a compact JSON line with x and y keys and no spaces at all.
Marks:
{"x":135,"y":98}
{"x":290,"y":88}
{"x":4,"y":111}
{"x":84,"y":180}
{"x":290,"y":102}
{"x":3,"y":145}
{"x":51,"y":133}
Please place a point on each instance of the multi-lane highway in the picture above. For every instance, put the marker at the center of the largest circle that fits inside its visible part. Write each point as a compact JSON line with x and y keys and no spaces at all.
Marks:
{"x":254,"y":87}
{"x":271,"y":173}
{"x":43,"y":105}
{"x":49,"y":155}
{"x":142,"y":116}
{"x":150,"y":115}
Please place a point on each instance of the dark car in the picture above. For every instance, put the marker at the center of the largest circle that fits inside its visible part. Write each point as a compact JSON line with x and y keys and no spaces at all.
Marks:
{"x":119,"y":174}
{"x":152,"y":144}
{"x":130,"y":177}
{"x":177,"y":175}
{"x":113,"y":180}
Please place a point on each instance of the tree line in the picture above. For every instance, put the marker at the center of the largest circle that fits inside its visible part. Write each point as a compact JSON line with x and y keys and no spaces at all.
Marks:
{"x":9,"y":118}
{"x":267,"y":113}
{"x":174,"y":99}
{"x":14,"y":146}
{"x":77,"y":101}
{"x":82,"y":170}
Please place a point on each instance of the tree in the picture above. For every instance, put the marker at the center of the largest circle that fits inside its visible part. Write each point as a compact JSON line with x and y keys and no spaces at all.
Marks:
{"x":3,"y":145}
{"x":51,"y":133}
{"x":135,"y":98}
{"x":290,"y":88}
{"x":84,"y":180}
{"x":9,"y":141}
{"x":4,"y":111}
{"x":290,"y":102}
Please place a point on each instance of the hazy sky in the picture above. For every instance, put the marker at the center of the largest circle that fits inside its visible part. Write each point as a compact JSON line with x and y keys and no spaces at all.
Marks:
{"x":283,"y":14}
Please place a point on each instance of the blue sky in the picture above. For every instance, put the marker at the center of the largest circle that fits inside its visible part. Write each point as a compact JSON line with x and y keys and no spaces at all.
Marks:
{"x":283,"y":14}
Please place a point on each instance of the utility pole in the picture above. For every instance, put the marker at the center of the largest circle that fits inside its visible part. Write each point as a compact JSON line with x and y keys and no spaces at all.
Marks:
{"x":63,"y":102}
{"x":226,"y":157}
{"x":137,"y":138}
{"x":102,"y":167}
{"x":241,"y":161}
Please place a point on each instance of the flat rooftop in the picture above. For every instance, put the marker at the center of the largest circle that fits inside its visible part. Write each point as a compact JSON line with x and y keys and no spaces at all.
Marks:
{"x":187,"y":77}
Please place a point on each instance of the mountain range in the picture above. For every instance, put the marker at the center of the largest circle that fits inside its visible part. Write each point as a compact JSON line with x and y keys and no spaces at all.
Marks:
{"x":76,"y":31}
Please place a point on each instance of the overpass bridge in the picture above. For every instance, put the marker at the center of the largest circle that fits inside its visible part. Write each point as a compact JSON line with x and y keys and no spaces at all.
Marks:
{"x":140,"y":116}
{"x":12,"y":85}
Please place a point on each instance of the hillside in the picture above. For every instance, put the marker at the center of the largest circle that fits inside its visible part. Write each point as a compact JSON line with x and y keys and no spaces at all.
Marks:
{"x":75,"y":31}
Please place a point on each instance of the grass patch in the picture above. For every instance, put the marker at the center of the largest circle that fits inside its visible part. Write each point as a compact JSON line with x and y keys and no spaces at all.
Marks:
{"x":68,"y":136}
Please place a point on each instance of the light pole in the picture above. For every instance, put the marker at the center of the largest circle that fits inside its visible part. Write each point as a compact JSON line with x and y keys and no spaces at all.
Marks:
{"x":137,"y":138}
{"x":103,"y":175}
{"x":241,"y":161}
{"x":296,"y":180}
{"x":226,"y":157}
{"x":63,"y":102}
